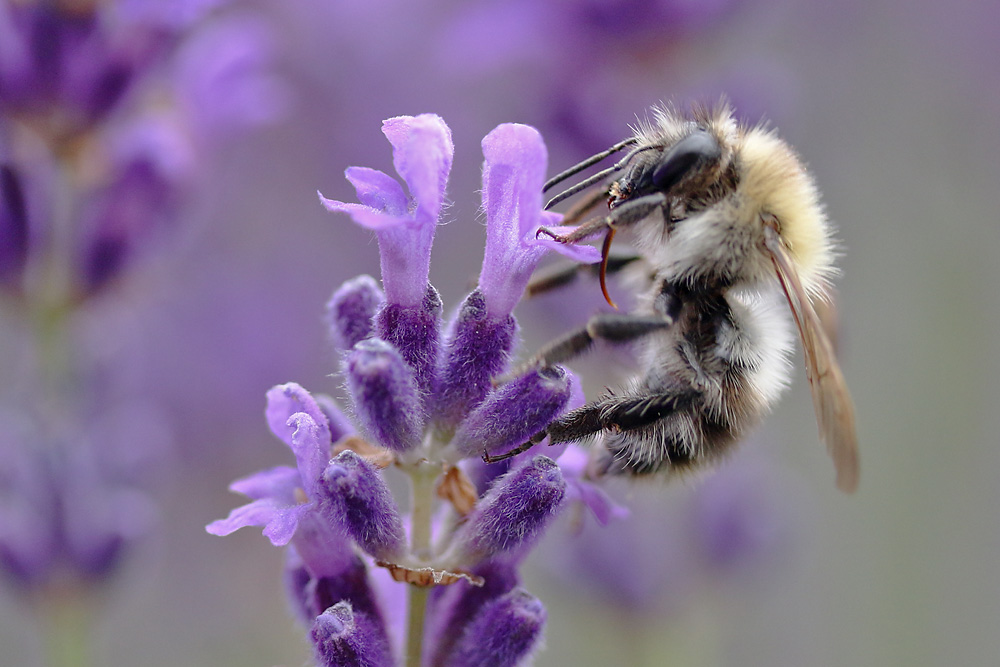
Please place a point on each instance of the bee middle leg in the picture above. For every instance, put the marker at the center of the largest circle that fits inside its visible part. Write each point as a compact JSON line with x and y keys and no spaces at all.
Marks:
{"x":556,"y":279}
{"x":610,"y":327}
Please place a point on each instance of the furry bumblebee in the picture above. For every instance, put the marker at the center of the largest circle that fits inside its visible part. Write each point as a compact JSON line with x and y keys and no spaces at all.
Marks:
{"x":727,"y":225}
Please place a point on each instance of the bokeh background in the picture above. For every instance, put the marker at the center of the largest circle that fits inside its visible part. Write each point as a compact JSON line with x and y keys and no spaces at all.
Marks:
{"x":893,"y":105}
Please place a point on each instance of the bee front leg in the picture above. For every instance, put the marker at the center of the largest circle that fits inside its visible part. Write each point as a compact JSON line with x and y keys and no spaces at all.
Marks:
{"x":623,"y":215}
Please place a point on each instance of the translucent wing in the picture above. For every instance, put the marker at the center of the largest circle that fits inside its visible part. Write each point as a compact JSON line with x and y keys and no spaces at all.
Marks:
{"x":834,"y":407}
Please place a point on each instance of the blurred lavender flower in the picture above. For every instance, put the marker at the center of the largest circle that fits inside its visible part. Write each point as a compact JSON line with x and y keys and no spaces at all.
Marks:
{"x":103,"y":131}
{"x":680,"y":541}
{"x":423,"y":401}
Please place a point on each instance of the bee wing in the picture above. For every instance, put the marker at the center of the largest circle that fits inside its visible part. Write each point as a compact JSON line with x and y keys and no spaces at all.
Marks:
{"x":834,"y":407}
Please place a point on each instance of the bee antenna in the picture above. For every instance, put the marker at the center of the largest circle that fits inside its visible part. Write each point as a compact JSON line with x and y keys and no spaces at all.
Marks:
{"x":582,"y":185}
{"x":599,"y":176}
{"x":592,"y":160}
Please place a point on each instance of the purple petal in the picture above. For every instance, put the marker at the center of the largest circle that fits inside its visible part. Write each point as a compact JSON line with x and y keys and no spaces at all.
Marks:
{"x":311,"y":446}
{"x":285,"y":400}
{"x":422,"y":155}
{"x":573,"y":463}
{"x":364,"y":215}
{"x":378,"y":190}
{"x":278,"y":483}
{"x":513,"y":173}
{"x":263,"y":512}
{"x":284,"y":523}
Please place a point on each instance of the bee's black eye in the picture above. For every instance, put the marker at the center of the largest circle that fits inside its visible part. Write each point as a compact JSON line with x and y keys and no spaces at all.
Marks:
{"x":693,"y":151}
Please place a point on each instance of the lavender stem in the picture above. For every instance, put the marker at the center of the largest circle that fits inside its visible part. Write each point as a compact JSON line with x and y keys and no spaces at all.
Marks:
{"x":422,"y":479}
{"x":67,"y":617}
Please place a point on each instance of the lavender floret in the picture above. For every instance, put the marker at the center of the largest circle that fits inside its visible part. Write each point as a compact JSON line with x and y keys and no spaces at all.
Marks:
{"x":358,"y":500}
{"x":414,"y":332}
{"x":513,"y":413}
{"x":514,"y":512}
{"x":350,"y":311}
{"x":385,"y":396}
{"x":477,"y":351}
{"x":343,"y":637}
{"x":502,"y":634}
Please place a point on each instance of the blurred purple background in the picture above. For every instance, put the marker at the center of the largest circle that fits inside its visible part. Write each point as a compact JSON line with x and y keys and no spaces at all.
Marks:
{"x":894,"y":107}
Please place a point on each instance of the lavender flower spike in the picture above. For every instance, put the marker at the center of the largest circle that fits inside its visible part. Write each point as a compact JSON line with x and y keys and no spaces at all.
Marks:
{"x":514,"y":511}
{"x":386,"y":402}
{"x":343,"y":638}
{"x":358,"y":500}
{"x":422,"y":155}
{"x":502,"y":634}
{"x":513,"y":173}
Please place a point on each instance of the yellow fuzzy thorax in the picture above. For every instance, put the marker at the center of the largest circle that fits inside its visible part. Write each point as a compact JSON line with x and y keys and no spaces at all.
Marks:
{"x":773,"y":176}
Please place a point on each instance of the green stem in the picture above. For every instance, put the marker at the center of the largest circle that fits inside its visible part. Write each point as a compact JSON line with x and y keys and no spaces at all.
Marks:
{"x":415,"y":625}
{"x":66,"y":619}
{"x":423,"y":478}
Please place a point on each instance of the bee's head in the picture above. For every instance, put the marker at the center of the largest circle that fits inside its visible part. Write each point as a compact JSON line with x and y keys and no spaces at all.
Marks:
{"x":683,"y":168}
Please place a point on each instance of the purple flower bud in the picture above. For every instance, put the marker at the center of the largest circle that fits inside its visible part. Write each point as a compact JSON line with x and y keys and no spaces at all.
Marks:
{"x":414,"y":331}
{"x":452,"y":607}
{"x":343,"y":637}
{"x":513,"y":413}
{"x":350,"y":311}
{"x":385,"y":395}
{"x":477,"y":351}
{"x":13,"y":225}
{"x":502,"y":634}
{"x":514,"y":511}
{"x":359,"y":501}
